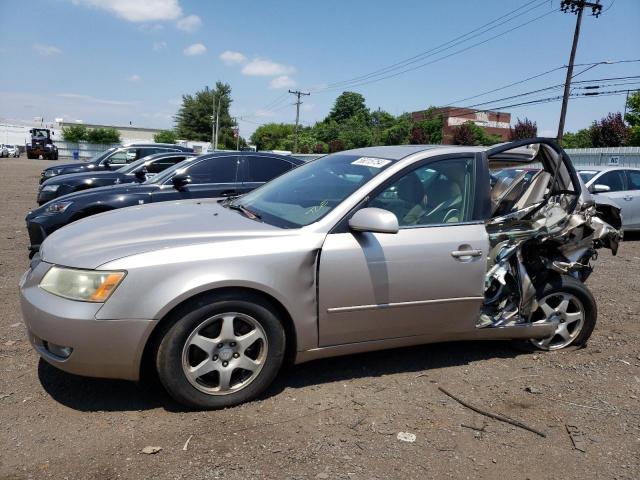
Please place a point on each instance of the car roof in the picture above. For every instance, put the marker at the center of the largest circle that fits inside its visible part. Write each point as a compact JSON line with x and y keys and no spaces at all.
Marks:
{"x":167,"y":145}
{"x":602,"y":168}
{"x":393,"y":152}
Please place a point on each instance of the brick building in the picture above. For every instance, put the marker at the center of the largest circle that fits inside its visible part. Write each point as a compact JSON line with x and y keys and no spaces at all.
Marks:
{"x":494,"y":123}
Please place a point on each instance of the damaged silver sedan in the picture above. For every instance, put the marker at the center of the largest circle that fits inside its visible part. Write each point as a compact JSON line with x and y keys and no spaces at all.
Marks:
{"x":361,"y":250}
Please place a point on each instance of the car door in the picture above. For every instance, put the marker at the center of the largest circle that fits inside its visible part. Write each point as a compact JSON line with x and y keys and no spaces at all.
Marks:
{"x":260,"y":169}
{"x":425,"y":279}
{"x":616,"y":182}
{"x":632,"y":197}
{"x":210,"y":177}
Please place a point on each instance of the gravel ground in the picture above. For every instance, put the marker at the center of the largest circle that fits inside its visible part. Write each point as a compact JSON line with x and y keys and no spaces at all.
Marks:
{"x":336,"y":418}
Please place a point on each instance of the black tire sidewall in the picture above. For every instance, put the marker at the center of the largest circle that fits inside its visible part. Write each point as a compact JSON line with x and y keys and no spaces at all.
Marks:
{"x":169,"y":354}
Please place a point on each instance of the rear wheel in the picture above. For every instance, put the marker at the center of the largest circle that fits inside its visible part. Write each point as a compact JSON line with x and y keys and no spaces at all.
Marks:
{"x":221,"y":351}
{"x":571,"y":304}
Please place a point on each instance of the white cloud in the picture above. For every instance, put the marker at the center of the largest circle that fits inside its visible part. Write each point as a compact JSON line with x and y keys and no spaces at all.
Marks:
{"x":266,"y":68}
{"x":158,"y":46}
{"x":135,"y":78}
{"x":46,"y":50}
{"x":195,"y":49}
{"x":189,"y":23}
{"x":90,"y":99}
{"x":138,"y":10}
{"x":232,"y":58}
{"x":282,"y":81}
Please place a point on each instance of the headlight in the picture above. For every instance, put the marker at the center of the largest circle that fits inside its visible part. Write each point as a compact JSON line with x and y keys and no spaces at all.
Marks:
{"x":49,"y":173}
{"x":50,"y":188}
{"x":83,"y":285}
{"x":58,"y":207}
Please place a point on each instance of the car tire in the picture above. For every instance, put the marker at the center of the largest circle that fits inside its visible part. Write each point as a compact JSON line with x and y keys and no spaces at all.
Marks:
{"x":225,"y":382}
{"x":572,"y":303}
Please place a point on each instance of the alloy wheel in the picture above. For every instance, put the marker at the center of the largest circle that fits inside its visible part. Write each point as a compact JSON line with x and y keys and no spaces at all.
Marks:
{"x":568,"y":311}
{"x":225,"y":353}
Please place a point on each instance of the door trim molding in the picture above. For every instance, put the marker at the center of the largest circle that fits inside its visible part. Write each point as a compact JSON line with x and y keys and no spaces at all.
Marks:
{"x":383,"y":306}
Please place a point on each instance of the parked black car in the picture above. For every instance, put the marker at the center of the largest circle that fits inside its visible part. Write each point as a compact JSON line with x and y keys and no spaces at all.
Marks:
{"x":138,"y":171}
{"x":114,"y":157}
{"x":223,"y":174}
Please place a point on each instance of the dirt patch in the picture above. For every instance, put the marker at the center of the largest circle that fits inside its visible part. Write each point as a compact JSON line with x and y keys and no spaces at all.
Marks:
{"x":336,"y":418}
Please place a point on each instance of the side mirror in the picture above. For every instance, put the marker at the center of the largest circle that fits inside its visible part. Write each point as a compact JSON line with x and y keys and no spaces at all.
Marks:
{"x":599,"y":188}
{"x":107,"y":164}
{"x":374,"y":220}
{"x":180,"y":180}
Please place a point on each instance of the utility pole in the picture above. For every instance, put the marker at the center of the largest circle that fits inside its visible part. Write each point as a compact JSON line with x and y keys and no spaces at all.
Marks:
{"x":215,"y":147}
{"x":298,"y":94}
{"x":576,"y":7}
{"x":213,"y":121}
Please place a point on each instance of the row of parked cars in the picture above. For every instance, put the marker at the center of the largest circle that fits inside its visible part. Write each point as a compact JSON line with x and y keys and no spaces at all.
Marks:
{"x":225,"y":266}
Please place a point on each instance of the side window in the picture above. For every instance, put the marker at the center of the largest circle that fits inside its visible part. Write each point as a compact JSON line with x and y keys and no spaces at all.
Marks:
{"x":143,"y":152}
{"x":263,"y":169}
{"x":614,"y":180}
{"x":159,"y":165}
{"x":214,"y":170}
{"x":633,"y":179}
{"x":123,"y":156}
{"x":436,"y":193}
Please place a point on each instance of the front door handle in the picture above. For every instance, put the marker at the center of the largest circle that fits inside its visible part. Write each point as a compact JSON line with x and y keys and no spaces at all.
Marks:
{"x":628,"y":197}
{"x":466,"y":253}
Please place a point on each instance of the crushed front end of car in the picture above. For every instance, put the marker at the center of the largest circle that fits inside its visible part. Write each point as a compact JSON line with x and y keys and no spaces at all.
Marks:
{"x":543,"y":226}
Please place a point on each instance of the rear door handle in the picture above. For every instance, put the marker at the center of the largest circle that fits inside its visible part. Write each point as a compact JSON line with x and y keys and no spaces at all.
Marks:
{"x":628,"y":197}
{"x":228,"y":193}
{"x":466,"y":253}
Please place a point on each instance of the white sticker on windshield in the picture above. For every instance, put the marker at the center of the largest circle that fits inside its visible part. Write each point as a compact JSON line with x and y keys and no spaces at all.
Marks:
{"x":371,"y":162}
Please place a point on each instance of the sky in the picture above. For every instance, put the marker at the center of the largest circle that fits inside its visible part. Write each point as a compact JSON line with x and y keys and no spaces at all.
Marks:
{"x":130,"y":61}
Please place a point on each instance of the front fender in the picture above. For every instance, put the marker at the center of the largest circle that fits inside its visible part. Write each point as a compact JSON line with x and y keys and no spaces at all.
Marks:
{"x":282,"y":268}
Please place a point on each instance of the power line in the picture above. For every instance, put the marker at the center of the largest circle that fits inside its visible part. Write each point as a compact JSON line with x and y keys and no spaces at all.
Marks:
{"x":440,"y":47}
{"x":443,"y":57}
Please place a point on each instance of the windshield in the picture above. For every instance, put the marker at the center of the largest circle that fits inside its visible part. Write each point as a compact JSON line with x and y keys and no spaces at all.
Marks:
{"x":586,"y":175}
{"x":169,"y":172}
{"x":306,"y":194}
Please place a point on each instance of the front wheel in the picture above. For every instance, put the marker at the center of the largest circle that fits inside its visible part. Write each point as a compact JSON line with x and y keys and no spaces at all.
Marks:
{"x":221,"y":351}
{"x":570,"y":303}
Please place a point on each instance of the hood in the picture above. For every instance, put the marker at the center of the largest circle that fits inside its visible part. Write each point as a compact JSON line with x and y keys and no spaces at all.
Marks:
{"x":80,"y":177}
{"x":120,"y":189}
{"x":74,"y":165}
{"x":96,"y":240}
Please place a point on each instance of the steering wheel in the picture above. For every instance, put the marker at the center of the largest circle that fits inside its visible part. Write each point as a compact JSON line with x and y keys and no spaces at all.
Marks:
{"x":451,"y":213}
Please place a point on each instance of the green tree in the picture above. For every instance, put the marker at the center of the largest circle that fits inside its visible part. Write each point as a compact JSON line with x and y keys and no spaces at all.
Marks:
{"x":347,"y":105}
{"x":194,"y":119}
{"x":356,"y":132}
{"x":633,"y":109}
{"x":74,"y":133}
{"x":398,"y":133}
{"x":272,"y":136}
{"x":380,"y":121}
{"x":427,"y":130}
{"x":579,"y":139}
{"x":103,"y":135}
{"x":165,"y":136}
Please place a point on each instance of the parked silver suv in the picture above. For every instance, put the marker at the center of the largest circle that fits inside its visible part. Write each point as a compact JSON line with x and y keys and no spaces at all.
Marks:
{"x":360,"y":250}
